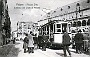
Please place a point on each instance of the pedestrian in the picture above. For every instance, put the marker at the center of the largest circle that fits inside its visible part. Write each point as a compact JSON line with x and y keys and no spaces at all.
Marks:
{"x":66,"y":43}
{"x":85,"y":42}
{"x":40,"y":41}
{"x":44,"y":40}
{"x":35,"y":38}
{"x":30,"y":43}
{"x":25,"y":43}
{"x":79,"y":42}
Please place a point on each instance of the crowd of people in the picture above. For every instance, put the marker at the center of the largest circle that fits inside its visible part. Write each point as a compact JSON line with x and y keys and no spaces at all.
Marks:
{"x":28,"y":43}
{"x":79,"y":40}
{"x":31,"y":42}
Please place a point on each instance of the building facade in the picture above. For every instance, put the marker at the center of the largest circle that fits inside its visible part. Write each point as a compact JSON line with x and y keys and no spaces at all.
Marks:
{"x":5,"y":23}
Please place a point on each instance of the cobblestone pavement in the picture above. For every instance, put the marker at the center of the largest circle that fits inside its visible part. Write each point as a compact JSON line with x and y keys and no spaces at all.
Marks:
{"x":9,"y":50}
{"x":47,"y":53}
{"x":16,"y":50}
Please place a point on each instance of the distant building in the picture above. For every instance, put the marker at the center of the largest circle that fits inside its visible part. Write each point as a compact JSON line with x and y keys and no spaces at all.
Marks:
{"x":26,"y":27}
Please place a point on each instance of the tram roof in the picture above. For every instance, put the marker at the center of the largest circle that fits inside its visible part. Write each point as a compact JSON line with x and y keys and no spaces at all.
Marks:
{"x":52,"y":22}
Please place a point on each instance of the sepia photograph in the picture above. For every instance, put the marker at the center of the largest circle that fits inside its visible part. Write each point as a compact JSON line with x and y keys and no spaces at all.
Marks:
{"x":44,"y":28}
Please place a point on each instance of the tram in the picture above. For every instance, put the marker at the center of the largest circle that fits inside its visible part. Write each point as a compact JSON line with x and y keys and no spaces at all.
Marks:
{"x":54,"y":31}
{"x":82,"y":24}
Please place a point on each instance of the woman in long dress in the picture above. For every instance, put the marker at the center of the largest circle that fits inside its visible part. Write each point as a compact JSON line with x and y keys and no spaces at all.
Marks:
{"x":30,"y":43}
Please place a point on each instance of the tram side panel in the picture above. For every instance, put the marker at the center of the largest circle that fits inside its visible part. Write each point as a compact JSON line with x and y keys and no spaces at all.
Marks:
{"x":57,"y":42}
{"x":57,"y":38}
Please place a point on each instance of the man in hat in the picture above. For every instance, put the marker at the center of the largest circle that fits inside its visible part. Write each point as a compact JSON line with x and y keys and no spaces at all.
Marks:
{"x":44,"y":42}
{"x":66,"y":43}
{"x":78,"y":41}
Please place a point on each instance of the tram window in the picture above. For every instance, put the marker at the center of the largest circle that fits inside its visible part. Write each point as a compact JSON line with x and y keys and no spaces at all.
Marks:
{"x":54,"y":27}
{"x":58,"y":30}
{"x":51,"y":26}
{"x":88,"y":23}
{"x":64,"y":27}
{"x":79,"y":23}
{"x":47,"y":29}
{"x":58,"y":26}
{"x":83,"y":23}
{"x":43,"y":29}
{"x":69,"y":27}
{"x":74,"y":24}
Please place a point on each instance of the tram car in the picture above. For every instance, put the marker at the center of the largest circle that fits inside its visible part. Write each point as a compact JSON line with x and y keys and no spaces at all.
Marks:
{"x":83,"y":25}
{"x":55,"y":30}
